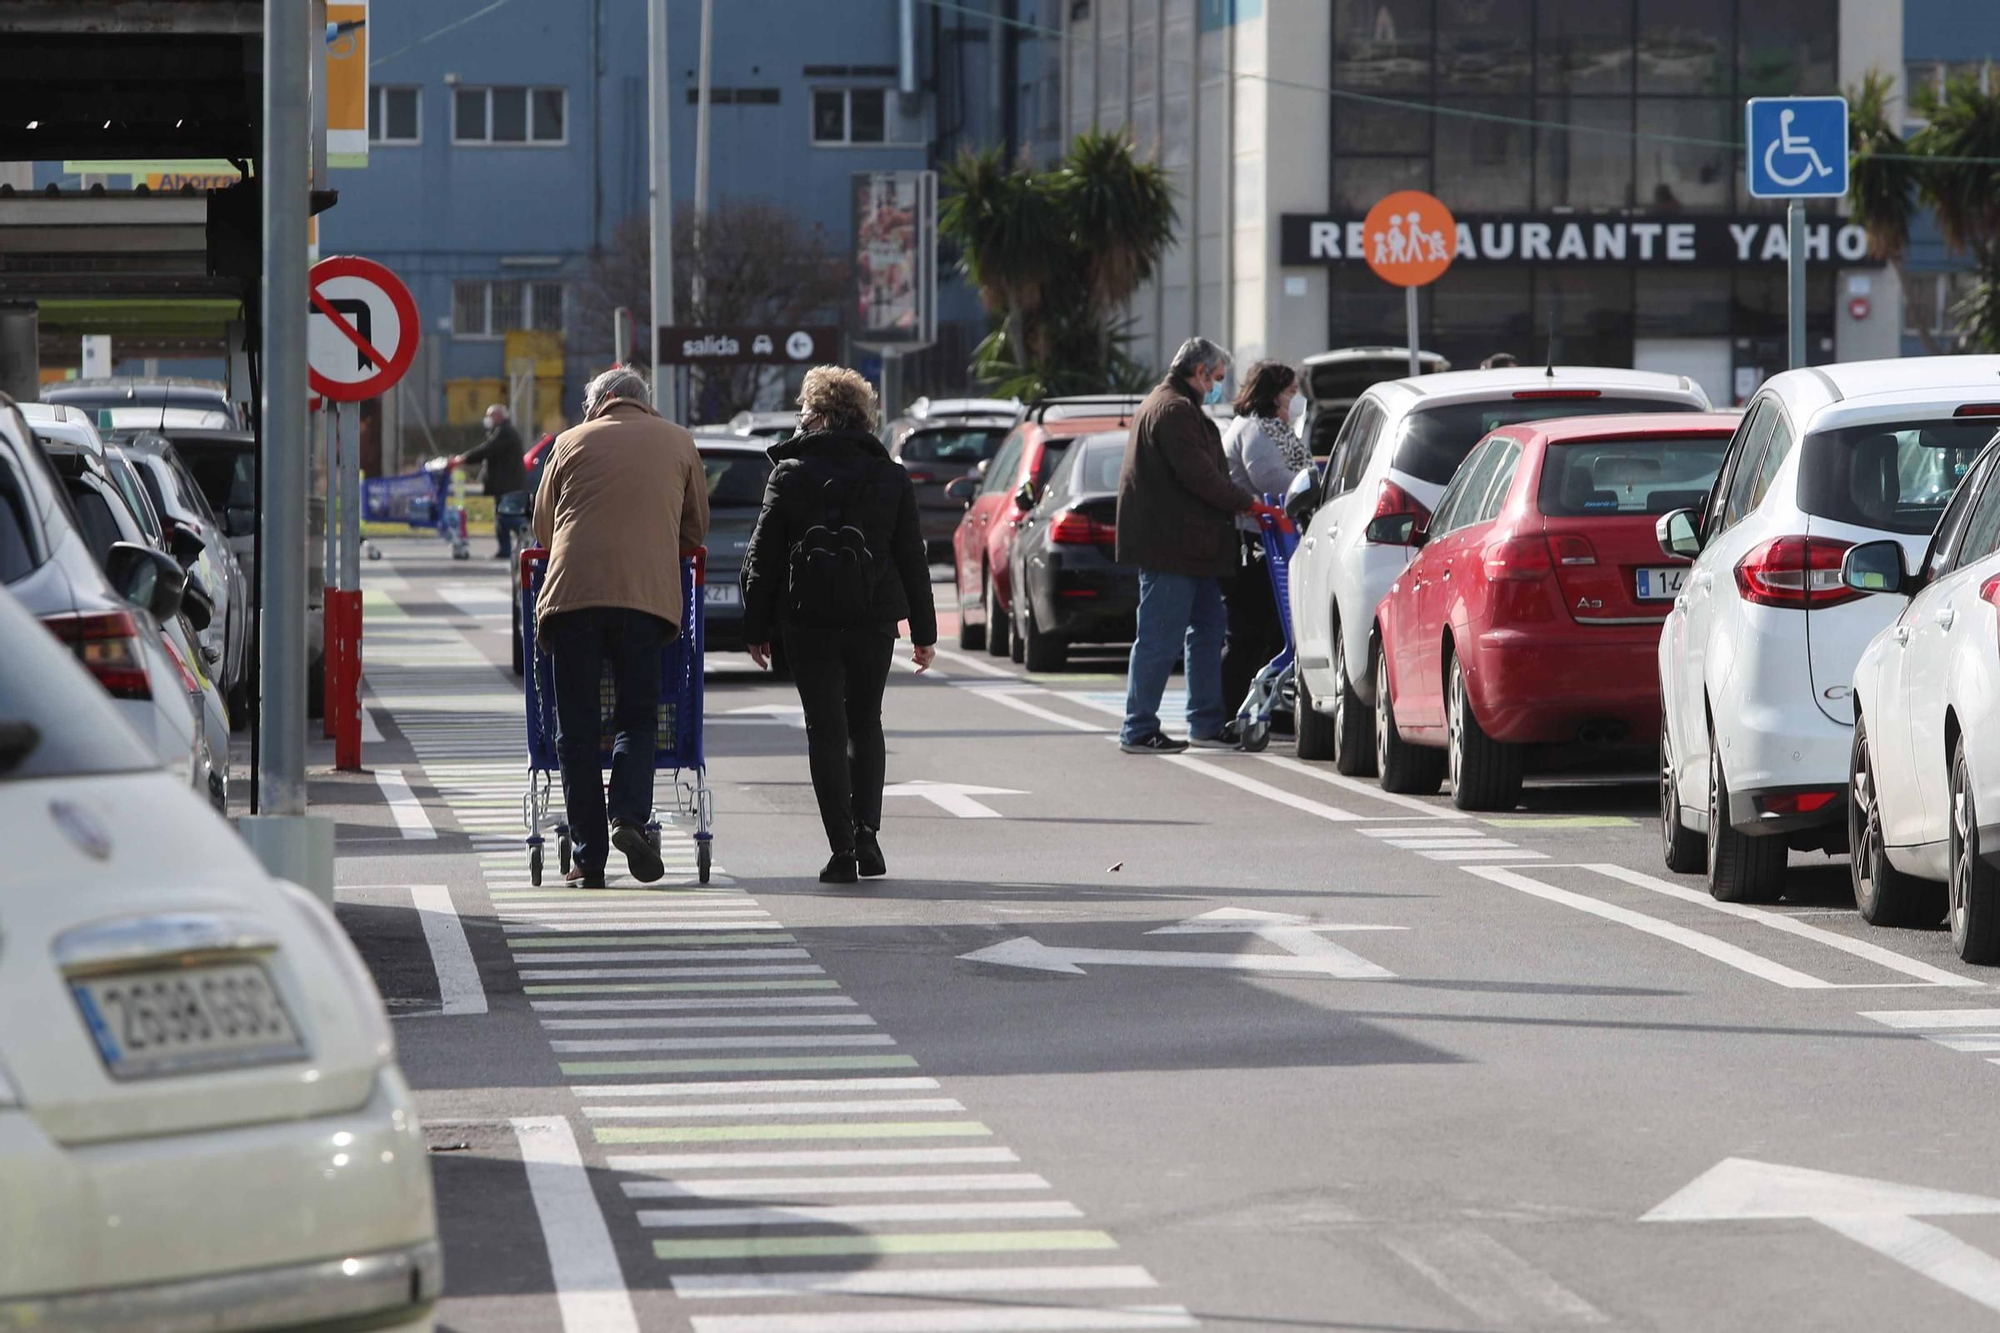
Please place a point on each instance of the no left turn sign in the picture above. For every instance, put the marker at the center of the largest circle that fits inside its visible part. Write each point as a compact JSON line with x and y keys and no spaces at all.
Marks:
{"x":362,"y":330}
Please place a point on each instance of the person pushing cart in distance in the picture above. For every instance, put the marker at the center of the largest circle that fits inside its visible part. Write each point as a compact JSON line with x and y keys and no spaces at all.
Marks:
{"x":621,"y":494}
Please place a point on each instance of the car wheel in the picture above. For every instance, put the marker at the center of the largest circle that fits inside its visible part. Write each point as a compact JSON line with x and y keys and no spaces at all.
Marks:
{"x":1040,"y":651}
{"x":1884,"y":895}
{"x":1975,"y":886}
{"x":1685,"y":851}
{"x":1412,"y":770}
{"x":971,"y":638}
{"x":1353,"y":721}
{"x":1017,"y":650}
{"x":1312,"y":731}
{"x":1485,"y":773}
{"x":1741,"y":869}
{"x":997,"y":636}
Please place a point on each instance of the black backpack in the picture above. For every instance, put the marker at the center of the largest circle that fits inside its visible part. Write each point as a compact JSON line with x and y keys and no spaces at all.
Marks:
{"x":832,"y":568}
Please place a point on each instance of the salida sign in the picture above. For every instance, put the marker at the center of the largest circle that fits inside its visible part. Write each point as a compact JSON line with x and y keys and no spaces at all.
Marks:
{"x":1318,"y":240}
{"x":686,"y":346}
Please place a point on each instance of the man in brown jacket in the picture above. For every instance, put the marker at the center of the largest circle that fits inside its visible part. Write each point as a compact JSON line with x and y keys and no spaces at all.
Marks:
{"x":620,"y":495}
{"x":1177,"y":512}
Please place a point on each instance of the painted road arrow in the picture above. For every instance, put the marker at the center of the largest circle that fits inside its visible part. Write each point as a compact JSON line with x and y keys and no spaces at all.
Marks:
{"x":954,"y":797}
{"x":1877,"y":1213}
{"x":1305,"y":952}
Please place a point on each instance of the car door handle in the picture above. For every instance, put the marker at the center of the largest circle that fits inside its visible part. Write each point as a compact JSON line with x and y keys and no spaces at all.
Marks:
{"x":1944,"y":616}
{"x":1703,"y":580}
{"x":1311,"y":542}
{"x":1901,"y":634}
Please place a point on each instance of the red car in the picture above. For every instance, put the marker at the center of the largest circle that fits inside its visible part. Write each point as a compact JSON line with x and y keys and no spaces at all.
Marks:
{"x":1530,"y":615}
{"x":983,"y":545}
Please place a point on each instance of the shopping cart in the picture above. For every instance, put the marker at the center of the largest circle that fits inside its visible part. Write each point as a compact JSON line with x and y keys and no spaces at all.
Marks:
{"x":420,"y":499}
{"x":1274,"y":683}
{"x":677,"y":752}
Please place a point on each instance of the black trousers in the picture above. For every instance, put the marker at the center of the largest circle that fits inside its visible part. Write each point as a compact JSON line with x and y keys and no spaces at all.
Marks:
{"x":580,"y":645}
{"x":1255,"y":635}
{"x":841,"y":674}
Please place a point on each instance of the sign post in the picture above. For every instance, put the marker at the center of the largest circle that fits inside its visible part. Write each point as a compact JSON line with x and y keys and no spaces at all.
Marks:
{"x":361,"y":339}
{"x":1409,"y":239}
{"x":1797,"y":150}
{"x":895,"y":269}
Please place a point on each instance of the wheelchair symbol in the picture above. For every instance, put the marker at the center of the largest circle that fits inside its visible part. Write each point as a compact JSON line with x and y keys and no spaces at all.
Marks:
{"x":1792,"y":146}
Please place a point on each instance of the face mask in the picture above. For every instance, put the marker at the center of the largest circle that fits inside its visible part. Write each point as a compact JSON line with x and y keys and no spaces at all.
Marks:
{"x":1297,"y":412}
{"x":1214,"y":393}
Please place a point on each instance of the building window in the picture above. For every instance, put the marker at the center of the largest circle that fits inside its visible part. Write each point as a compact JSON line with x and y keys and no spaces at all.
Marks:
{"x":735,"y":97}
{"x":394,"y":115}
{"x":850,"y":116}
{"x":510,"y":115}
{"x":489,"y":308}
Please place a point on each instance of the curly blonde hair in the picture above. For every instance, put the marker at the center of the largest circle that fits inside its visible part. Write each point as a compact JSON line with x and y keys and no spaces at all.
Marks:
{"x":839,"y":398}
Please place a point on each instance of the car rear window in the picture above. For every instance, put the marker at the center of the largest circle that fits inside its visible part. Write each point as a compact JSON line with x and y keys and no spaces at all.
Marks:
{"x":735,"y":480}
{"x":1895,"y":478}
{"x":1097,"y":469}
{"x":1435,"y":440}
{"x":95,"y":521}
{"x":150,"y":479}
{"x":1052,"y":454}
{"x":967,"y":445}
{"x":17,"y":550}
{"x":1601,"y":478}
{"x":226,"y":476}
{"x":76,"y":729}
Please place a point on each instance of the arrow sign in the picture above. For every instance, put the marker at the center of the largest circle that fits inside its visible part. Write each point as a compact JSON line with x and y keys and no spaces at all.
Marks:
{"x":1877,"y":1213}
{"x":774,"y":715}
{"x":1305,"y":952}
{"x":362,"y":334}
{"x":954,"y":797}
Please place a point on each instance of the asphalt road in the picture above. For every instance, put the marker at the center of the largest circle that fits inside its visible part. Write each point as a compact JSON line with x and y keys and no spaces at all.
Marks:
{"x":1128,"y":1042}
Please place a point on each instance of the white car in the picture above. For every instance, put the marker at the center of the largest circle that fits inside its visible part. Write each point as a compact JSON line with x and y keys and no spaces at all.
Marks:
{"x":201,"y":1119}
{"x":1923,"y":799}
{"x":1399,"y":445}
{"x":1758,"y":654}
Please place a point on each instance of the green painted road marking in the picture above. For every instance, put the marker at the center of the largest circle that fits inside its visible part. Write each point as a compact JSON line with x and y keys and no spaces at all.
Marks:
{"x":584,"y":1068}
{"x":379,"y":605}
{"x":1563,"y":821}
{"x":619,"y":941}
{"x":643,"y":987}
{"x":867,"y":1129}
{"x":935,"y":1242}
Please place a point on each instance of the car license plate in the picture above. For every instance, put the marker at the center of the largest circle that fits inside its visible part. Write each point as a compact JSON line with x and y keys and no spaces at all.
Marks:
{"x":185,"y":1018}
{"x":1661,"y":585}
{"x":723,"y":594}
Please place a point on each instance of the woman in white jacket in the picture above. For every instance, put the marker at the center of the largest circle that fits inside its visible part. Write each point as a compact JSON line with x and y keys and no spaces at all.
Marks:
{"x":1264,"y":455}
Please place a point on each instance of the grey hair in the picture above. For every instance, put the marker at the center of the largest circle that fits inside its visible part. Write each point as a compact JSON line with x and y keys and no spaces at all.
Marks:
{"x":617,"y":382}
{"x":1194,"y":354}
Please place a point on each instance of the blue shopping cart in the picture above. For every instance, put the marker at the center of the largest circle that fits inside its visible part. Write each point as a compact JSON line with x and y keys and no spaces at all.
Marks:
{"x":420,"y":499}
{"x":1274,"y":683}
{"x":678,"y":750}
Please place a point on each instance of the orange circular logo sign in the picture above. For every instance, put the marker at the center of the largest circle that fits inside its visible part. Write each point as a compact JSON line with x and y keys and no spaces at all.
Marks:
{"x":1410,"y":238}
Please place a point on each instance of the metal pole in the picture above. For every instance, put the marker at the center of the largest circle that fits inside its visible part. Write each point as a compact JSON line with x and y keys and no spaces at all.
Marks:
{"x":697,"y":287}
{"x":347,"y":423}
{"x":892,"y":381}
{"x":282,"y":167}
{"x":661,"y":185}
{"x":621,"y":335}
{"x":1410,"y":318}
{"x":326,"y":442}
{"x":1795,"y":273}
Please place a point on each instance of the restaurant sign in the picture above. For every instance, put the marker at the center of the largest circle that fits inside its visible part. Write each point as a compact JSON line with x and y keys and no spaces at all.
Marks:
{"x":1714,"y":240}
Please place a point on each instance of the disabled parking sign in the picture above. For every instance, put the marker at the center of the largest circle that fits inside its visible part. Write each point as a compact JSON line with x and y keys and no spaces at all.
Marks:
{"x":1797,"y":147}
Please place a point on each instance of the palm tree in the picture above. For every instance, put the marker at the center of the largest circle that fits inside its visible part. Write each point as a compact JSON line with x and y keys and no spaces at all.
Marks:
{"x":1951,"y":166}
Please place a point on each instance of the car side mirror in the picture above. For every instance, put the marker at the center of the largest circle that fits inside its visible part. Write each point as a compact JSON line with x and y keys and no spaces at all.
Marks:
{"x":186,"y":546}
{"x":962,"y":489}
{"x":1677,"y":535}
{"x":1395,"y":530}
{"x":240,"y":521}
{"x":1875,"y":567}
{"x":148,"y":578}
{"x":1024,"y":499}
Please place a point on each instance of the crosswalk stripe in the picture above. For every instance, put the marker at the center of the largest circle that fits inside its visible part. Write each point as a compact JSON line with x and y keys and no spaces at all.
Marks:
{"x":784,"y":1187}
{"x":912,"y":1281}
{"x":844,"y":1214}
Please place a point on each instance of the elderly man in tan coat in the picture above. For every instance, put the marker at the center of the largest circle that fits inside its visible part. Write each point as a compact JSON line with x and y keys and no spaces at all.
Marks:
{"x":620,"y":496}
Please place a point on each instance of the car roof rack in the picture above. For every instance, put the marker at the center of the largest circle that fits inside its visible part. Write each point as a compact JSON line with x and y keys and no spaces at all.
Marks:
{"x":1080,"y":405}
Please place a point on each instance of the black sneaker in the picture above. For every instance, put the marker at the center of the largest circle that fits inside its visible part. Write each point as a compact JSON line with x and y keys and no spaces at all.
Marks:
{"x":1157,"y":743}
{"x":868,"y":853}
{"x":640,"y":857}
{"x":839,"y":869}
{"x":1227,"y":739}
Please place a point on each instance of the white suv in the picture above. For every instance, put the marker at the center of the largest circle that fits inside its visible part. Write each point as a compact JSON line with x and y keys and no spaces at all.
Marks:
{"x":1400,"y":444}
{"x":1757,"y":657}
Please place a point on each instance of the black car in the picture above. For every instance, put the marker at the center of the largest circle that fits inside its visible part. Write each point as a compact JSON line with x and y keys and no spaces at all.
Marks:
{"x":1068,"y":586}
{"x":736,"y":468}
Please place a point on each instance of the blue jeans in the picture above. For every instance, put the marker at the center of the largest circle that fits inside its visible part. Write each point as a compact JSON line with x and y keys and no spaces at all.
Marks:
{"x":580,"y":644}
{"x":510,"y":519}
{"x":1176,"y":611}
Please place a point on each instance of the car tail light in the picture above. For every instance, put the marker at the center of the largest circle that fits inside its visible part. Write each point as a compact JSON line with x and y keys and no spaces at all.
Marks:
{"x":1524,"y":558}
{"x":1801,"y":573}
{"x":918,"y":478}
{"x":107,"y":643}
{"x":1392,"y":501}
{"x":1978,"y":410}
{"x":1558,"y":393}
{"x":1073,"y":527}
{"x":1572,"y":549}
{"x":1796,"y":802}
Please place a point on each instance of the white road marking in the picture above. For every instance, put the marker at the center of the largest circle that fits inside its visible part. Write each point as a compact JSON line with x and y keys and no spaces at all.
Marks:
{"x":1324,"y":773}
{"x":954,"y":798}
{"x":844,"y":1214}
{"x":590,"y":1286}
{"x":1447,"y":844}
{"x":667,"y":973}
{"x":975,"y":665}
{"x":915,"y":1281}
{"x":403,"y":804}
{"x":709,"y":1021}
{"x":1007,"y":699}
{"x":371,"y":733}
{"x":646,"y":925}
{"x":457,"y":972}
{"x":1936,"y":1018}
{"x":1017,"y":1319}
{"x":886,"y":1083}
{"x":605,"y":1047}
{"x":784,"y":1187}
{"x":658,"y":955}
{"x":710,"y":1002}
{"x":1493,"y":1282}
{"x":1487,"y":854}
{"x":748,"y":1161}
{"x":1263,"y":789}
{"x":1030,"y":953}
{"x":882,"y":1105}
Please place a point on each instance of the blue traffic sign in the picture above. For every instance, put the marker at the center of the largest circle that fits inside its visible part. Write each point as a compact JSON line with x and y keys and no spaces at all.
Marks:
{"x":1797,"y":147}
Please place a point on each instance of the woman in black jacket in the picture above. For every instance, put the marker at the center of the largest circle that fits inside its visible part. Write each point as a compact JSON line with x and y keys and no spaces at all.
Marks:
{"x":836,"y":562}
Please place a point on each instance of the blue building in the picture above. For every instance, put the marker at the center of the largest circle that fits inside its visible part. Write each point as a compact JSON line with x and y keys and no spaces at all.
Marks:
{"x":1941,"y":39}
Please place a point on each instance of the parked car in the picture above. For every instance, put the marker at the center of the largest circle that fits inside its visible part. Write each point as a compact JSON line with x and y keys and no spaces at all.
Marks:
{"x":736,"y":470}
{"x":1068,"y":587}
{"x":1758,"y":656}
{"x":187,"y":1029}
{"x":936,"y":451}
{"x":1530,"y":617}
{"x":109,"y":617}
{"x":1923,"y":813}
{"x":1334,"y":380}
{"x":1398,"y":447}
{"x":982,"y":545}
{"x":223,"y":464}
{"x":772,"y":426}
{"x":945,"y":409}
{"x":139,"y":402}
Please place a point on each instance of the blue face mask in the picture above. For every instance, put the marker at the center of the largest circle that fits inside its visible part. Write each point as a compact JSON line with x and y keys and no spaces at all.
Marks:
{"x":1214,"y":393}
